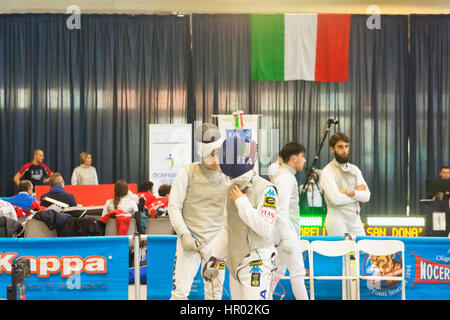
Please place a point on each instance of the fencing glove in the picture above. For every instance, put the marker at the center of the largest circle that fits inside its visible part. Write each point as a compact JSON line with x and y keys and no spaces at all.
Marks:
{"x":188,"y":242}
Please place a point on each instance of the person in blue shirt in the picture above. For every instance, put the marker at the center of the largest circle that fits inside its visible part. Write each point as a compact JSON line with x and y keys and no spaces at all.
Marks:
{"x":24,"y":198}
{"x":57,"y":191}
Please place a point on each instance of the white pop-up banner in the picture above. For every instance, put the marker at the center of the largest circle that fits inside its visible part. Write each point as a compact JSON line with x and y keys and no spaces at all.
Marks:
{"x":170,"y":149}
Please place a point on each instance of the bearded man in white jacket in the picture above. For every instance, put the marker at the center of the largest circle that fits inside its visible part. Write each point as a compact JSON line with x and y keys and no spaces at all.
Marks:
{"x":344,"y":188}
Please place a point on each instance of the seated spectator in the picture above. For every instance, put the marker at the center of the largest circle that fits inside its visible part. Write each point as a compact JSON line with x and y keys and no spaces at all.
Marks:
{"x":159,"y":206}
{"x":444,"y":174}
{"x":132,"y":196}
{"x":57,"y":191}
{"x":35,"y":171}
{"x":145,"y":191}
{"x":24,"y":198}
{"x":7,"y":210}
{"x":85,"y":173}
{"x":120,"y":200}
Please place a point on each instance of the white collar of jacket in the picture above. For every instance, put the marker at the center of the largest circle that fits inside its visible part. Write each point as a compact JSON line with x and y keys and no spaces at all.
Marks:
{"x":291,"y":170}
{"x":346,"y":167}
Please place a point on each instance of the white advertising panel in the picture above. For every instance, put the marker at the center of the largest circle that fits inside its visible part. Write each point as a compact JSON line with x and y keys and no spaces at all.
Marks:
{"x":170,"y":149}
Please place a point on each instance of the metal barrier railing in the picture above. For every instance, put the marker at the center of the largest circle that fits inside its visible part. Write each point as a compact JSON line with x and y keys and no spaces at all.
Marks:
{"x":135,"y":239}
{"x":348,"y":286}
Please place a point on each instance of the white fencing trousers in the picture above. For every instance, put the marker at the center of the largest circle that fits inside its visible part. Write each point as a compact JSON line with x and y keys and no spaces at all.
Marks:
{"x":186,"y":266}
{"x":294,"y":263}
{"x":337,"y":224}
{"x":255,"y":274}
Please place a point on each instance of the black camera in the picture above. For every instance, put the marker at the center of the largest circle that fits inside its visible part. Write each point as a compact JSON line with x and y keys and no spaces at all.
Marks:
{"x":20,"y":271}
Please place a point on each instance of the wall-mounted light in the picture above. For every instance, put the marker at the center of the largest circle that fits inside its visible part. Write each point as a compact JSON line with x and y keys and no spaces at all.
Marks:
{"x":396,"y":221}
{"x":311,"y":221}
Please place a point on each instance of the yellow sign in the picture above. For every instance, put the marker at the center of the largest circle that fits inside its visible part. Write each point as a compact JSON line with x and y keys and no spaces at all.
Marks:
{"x":395,"y":231}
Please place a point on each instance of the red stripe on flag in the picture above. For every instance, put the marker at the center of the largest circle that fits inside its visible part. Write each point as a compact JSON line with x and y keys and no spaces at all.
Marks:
{"x":333,"y":35}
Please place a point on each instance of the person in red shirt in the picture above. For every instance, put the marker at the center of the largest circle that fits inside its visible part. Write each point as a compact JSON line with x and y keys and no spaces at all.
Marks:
{"x":145,"y":191}
{"x":35,"y":171}
{"x":159,"y":205}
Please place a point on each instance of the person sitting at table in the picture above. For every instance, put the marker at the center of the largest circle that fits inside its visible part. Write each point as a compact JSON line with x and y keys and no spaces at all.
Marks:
{"x":444,"y":174}
{"x":57,"y":191}
{"x":159,"y":206}
{"x":24,"y":198}
{"x":7,"y":210}
{"x":145,"y":191}
{"x":85,"y":173}
{"x":121,"y":201}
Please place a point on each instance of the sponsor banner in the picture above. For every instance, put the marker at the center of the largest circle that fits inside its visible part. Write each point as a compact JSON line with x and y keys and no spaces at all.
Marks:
{"x":170,"y":149}
{"x":75,"y":268}
{"x":427,"y":270}
{"x":160,"y":266}
{"x":323,"y":266}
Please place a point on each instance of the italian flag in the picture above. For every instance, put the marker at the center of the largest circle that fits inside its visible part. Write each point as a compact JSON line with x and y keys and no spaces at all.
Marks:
{"x":310,"y":47}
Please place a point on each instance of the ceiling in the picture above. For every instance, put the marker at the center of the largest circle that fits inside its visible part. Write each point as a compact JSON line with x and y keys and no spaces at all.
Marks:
{"x":226,"y":6}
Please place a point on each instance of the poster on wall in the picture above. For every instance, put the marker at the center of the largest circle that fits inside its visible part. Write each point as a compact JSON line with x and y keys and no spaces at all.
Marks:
{"x":246,"y":128}
{"x":170,"y":149}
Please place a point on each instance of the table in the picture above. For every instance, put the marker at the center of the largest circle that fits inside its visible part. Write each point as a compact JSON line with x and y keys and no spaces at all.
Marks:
{"x":88,"y":195}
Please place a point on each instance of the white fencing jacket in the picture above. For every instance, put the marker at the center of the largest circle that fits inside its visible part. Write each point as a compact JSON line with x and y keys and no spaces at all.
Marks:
{"x":336,"y":176}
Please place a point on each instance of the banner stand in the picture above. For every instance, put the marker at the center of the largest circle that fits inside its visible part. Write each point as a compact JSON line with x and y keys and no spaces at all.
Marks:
{"x":137,"y":267}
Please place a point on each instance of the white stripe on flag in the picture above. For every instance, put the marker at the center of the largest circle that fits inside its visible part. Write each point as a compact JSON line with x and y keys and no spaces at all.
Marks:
{"x":300,"y":38}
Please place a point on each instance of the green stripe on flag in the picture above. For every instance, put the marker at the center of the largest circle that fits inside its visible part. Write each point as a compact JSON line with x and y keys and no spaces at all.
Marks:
{"x":267,"y":47}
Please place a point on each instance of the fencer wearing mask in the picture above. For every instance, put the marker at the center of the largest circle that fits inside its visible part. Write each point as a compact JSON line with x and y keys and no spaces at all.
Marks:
{"x":245,"y":242}
{"x":196,"y":207}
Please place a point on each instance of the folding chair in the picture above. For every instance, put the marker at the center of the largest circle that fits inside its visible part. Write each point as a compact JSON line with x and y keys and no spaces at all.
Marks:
{"x":160,"y":225}
{"x":330,"y":249}
{"x":111,"y":227}
{"x":38,"y":229}
{"x":381,"y":248}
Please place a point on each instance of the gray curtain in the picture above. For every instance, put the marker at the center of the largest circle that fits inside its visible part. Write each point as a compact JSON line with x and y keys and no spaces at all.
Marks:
{"x":430,"y":100}
{"x":220,"y":64}
{"x":95,"y":89}
{"x":371,"y":106}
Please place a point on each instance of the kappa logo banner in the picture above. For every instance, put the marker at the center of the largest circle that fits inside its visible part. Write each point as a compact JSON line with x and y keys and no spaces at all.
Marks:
{"x":66,"y":266}
{"x":81,"y":268}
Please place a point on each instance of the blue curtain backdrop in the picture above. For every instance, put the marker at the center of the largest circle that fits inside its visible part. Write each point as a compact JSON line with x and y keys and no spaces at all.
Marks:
{"x":371,"y":107}
{"x":95,"y":89}
{"x":98,"y":88}
{"x":430,"y":100}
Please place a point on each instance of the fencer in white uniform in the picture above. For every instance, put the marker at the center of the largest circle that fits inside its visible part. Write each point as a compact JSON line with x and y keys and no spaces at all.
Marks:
{"x":344,"y":188}
{"x":288,"y":227}
{"x":246,"y":242}
{"x":274,"y":167}
{"x":196,"y":211}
